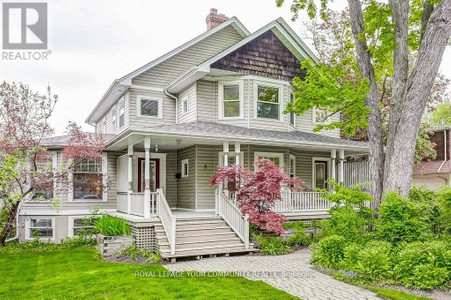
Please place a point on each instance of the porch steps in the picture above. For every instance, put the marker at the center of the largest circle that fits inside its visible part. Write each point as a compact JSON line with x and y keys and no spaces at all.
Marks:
{"x":199,"y":236}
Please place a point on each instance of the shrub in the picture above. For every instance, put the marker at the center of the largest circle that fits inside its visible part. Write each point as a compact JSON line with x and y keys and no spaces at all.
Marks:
{"x":329,"y":251}
{"x":351,"y":256}
{"x":399,"y":220}
{"x":413,"y":258}
{"x":134,"y":252}
{"x":299,"y":238}
{"x":272,"y":245}
{"x":374,"y":261}
{"x":112,"y":226}
{"x":347,"y":222}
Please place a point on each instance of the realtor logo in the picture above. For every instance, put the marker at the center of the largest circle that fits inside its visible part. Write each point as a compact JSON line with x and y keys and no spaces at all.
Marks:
{"x":24,"y":26}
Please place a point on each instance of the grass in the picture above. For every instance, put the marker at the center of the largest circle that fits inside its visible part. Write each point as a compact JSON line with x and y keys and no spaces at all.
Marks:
{"x":394,"y":294}
{"x":75,"y":273}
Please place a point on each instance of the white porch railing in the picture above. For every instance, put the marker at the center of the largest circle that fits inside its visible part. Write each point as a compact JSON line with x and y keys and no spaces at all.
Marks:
{"x":233,"y":216}
{"x":293,"y":202}
{"x":167,"y":219}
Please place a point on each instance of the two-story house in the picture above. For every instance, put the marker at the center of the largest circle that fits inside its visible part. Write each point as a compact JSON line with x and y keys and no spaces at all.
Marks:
{"x":218,"y":99}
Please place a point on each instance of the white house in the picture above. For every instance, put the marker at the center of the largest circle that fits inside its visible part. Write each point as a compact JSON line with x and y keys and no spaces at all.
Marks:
{"x":217,"y":99}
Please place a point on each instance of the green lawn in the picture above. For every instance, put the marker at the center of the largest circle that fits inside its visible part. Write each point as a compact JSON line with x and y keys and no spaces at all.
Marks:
{"x":76,"y":273}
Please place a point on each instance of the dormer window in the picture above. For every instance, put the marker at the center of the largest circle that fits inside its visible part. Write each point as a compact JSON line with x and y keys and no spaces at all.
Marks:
{"x":268,"y":102}
{"x":150,"y":107}
{"x":231,"y":100}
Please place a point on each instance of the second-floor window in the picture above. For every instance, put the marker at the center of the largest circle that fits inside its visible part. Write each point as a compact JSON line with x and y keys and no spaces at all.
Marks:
{"x":320,"y":116}
{"x":185,"y":105}
{"x":268,"y":102}
{"x":150,"y":107}
{"x":231,"y":100}
{"x":121,"y":108}
{"x":113,"y":120}
{"x":292,"y":114}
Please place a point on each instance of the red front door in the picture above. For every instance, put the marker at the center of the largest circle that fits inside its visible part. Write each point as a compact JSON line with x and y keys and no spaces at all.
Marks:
{"x":154,"y":174}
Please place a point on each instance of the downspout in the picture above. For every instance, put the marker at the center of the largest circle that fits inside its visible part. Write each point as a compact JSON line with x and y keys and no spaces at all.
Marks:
{"x":176,"y":108}
{"x":446,"y":151}
{"x":17,"y":226}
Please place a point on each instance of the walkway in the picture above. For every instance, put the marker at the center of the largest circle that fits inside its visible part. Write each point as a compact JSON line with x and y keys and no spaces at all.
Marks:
{"x":291,"y":273}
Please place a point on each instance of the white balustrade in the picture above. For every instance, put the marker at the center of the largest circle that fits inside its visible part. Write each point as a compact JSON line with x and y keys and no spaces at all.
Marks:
{"x":167,"y":219}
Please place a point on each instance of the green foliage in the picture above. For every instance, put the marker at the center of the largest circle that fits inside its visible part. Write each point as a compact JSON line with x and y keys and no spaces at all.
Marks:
{"x":385,"y":293}
{"x":134,"y":252}
{"x":399,"y":220}
{"x":441,"y":115}
{"x":272,"y":245}
{"x":374,"y":261}
{"x":38,"y":246}
{"x":112,"y":226}
{"x":424,"y":148}
{"x":329,"y":251}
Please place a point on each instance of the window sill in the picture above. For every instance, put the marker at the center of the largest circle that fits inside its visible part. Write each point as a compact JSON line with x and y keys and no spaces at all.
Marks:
{"x":230,"y":118}
{"x":268,"y":119}
{"x":87,"y":201}
{"x":150,"y":117}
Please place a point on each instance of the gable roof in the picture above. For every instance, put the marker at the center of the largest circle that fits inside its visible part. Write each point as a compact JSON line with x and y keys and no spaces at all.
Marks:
{"x":119,"y":86}
{"x":279,"y":27}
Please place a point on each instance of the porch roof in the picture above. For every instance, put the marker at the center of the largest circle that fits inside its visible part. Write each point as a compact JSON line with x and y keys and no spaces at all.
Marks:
{"x":223,"y":132}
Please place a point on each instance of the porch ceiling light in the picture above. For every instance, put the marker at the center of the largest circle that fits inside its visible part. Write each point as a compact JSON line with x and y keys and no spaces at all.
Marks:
{"x":156,"y":148}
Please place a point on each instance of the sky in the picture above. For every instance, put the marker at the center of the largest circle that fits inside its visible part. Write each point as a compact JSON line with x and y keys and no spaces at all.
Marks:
{"x":94,"y":42}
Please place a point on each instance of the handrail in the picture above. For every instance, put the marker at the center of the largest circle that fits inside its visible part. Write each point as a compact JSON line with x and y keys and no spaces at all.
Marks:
{"x":302,"y":201}
{"x":167,"y":219}
{"x":233,"y":216}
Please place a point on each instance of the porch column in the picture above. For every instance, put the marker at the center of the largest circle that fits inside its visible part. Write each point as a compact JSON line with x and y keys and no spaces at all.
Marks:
{"x":225,"y":149}
{"x":333,"y":156}
{"x":130,"y":178}
{"x":237,"y":153}
{"x":341,"y":156}
{"x":147,"y":178}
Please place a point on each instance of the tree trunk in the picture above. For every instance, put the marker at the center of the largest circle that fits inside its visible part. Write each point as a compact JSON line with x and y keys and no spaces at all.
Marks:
{"x":402,"y":140}
{"x":9,"y":224}
{"x":366,"y":69}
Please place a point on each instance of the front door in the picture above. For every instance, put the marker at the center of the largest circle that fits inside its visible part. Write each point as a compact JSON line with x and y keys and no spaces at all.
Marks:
{"x":320,"y":174}
{"x":154,"y":174}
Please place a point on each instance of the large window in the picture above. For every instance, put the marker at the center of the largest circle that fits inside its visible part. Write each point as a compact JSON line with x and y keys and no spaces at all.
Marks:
{"x":149,"y":107}
{"x":276,"y":158}
{"x":231,"y":100}
{"x":121,"y":108}
{"x":43,"y":180}
{"x":40,"y":228}
{"x":268,"y":102}
{"x":88,"y":180}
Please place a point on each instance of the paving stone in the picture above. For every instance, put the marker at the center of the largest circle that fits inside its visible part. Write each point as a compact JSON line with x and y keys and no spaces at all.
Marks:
{"x":291,"y":273}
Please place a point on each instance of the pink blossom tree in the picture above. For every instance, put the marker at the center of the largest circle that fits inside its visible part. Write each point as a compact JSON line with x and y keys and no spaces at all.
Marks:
{"x":26,"y":170}
{"x":257,"y":192}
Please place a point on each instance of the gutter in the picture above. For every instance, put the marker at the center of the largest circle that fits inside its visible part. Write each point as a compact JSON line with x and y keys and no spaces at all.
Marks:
{"x":446,"y":151}
{"x":176,"y":108}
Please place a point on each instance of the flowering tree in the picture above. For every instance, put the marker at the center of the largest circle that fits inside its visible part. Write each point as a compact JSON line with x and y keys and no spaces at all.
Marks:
{"x":26,"y":170}
{"x":257,"y":192}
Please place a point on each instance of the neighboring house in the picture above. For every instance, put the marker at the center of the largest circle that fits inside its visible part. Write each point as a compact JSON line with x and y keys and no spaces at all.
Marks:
{"x":217,"y":99}
{"x":436,"y":173}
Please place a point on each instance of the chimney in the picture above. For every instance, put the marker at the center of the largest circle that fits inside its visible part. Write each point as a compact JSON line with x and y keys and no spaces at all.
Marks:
{"x":213,"y":19}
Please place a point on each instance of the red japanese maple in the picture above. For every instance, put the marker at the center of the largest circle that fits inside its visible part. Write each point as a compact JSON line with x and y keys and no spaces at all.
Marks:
{"x":257,"y":192}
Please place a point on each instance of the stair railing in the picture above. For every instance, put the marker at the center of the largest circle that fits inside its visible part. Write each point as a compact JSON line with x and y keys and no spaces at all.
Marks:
{"x":233,"y":216}
{"x":167,"y":219}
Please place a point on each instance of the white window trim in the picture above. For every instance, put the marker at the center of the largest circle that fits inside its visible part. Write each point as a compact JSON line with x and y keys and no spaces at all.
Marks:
{"x":221,"y":158}
{"x":70,"y":192}
{"x":122,"y":100}
{"x":221,"y":85}
{"x":289,"y":114}
{"x":314,"y":118}
{"x":273,"y":84}
{"x":114,"y":119}
{"x":291,"y":159}
{"x":139,"y":98}
{"x":314,"y":159}
{"x":70,"y":224}
{"x":185,"y":99}
{"x":185,"y":162}
{"x":28,"y":225}
{"x":270,"y":154}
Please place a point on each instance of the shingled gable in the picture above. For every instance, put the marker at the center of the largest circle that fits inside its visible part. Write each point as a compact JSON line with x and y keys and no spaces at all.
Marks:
{"x":264,"y":56}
